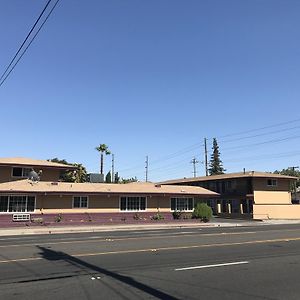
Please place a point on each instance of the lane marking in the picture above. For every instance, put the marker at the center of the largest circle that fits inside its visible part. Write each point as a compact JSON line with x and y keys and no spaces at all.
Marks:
{"x":213,"y":266}
{"x":95,"y":240}
{"x":157,"y":249}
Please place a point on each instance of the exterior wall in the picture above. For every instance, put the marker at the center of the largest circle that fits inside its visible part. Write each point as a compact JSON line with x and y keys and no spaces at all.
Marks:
{"x":288,"y":211}
{"x":161,"y":203}
{"x":98,"y":203}
{"x":48,"y":174}
{"x":5,"y":174}
{"x":227,"y":187}
{"x":272,"y":197}
{"x":260,"y":184}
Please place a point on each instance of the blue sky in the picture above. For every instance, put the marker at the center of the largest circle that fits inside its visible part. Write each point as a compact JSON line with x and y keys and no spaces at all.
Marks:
{"x":154,"y":78}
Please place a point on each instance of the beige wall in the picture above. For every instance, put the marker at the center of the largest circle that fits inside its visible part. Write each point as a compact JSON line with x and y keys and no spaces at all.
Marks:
{"x":47,"y":174}
{"x":260,"y":184}
{"x":288,"y":211}
{"x":272,"y":197}
{"x":97,"y":203}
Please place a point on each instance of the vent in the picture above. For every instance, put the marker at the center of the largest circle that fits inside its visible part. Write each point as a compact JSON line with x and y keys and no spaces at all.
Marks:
{"x":21,"y":217}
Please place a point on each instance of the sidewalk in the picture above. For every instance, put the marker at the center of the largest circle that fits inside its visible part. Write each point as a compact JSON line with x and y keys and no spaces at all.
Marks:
{"x":138,"y":227}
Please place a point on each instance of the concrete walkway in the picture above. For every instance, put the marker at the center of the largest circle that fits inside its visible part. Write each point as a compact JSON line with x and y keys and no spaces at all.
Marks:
{"x":124,"y":227}
{"x":120,"y":227}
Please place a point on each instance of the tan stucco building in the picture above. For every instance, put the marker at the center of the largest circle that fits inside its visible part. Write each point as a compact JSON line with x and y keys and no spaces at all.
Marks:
{"x":49,"y":195}
{"x":258,"y":195}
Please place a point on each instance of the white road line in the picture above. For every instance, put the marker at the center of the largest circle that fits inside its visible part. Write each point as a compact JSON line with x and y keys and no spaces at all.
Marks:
{"x":213,"y":266}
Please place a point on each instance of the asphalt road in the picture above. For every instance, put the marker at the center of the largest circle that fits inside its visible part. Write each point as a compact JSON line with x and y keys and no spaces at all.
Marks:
{"x":257,"y":262}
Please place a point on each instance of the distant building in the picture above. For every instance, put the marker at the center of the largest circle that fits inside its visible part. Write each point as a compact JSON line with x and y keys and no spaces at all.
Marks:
{"x":252,"y":194}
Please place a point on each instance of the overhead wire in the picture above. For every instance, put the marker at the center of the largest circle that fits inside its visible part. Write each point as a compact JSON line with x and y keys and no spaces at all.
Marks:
{"x":4,"y":77}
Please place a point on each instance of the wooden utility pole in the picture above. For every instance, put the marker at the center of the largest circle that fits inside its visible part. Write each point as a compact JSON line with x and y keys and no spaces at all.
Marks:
{"x":205,"y":154}
{"x":146,"y":168}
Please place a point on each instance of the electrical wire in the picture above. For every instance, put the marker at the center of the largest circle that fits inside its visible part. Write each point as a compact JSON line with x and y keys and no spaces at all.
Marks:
{"x":24,"y":51}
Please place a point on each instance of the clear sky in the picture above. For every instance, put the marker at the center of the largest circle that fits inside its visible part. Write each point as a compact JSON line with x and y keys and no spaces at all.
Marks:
{"x":154,"y":78}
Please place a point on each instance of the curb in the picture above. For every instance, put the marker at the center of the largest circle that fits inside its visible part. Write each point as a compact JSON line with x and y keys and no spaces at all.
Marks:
{"x":62,"y":230}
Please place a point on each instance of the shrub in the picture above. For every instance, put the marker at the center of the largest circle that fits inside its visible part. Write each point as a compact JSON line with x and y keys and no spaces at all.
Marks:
{"x":136,"y":216}
{"x":157,"y":216}
{"x":58,"y":218}
{"x":186,"y":216}
{"x":37,"y":220}
{"x":176,"y":214}
{"x":202,"y":211}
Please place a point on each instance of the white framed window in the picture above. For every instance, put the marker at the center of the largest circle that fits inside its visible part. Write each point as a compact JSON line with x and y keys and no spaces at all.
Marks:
{"x":20,"y":172}
{"x":271,"y":182}
{"x":133,"y":203}
{"x":17,"y":203}
{"x":182,"y":204}
{"x":80,"y":202}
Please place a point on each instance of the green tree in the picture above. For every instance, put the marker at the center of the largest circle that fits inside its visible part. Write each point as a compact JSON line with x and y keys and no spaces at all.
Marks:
{"x":291,"y":172}
{"x":215,"y":163}
{"x":108,"y":177}
{"x":117,"y":178}
{"x":78,"y":175}
{"x":102,"y":149}
{"x":128,"y":180}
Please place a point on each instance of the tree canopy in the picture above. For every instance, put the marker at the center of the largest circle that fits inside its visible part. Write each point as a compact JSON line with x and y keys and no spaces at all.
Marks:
{"x":78,"y":175}
{"x":215,"y":163}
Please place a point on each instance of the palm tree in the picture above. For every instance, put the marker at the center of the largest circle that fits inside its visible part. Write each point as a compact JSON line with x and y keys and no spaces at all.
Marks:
{"x":103,"y":149}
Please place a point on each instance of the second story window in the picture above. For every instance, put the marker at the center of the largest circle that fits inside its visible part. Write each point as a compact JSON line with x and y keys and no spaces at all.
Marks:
{"x":80,"y":202}
{"x":20,"y":172}
{"x":271,"y":182}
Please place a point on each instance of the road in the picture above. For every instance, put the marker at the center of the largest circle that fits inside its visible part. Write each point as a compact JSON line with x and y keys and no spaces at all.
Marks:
{"x":257,"y":262}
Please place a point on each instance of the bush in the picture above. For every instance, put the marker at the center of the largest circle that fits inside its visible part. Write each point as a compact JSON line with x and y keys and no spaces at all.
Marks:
{"x":157,"y":217}
{"x":202,"y":211}
{"x":58,"y":218}
{"x":136,"y":216}
{"x":176,"y":215}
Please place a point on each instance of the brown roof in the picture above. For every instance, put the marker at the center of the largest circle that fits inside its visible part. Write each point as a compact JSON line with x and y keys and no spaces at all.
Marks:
{"x":26,"y":186}
{"x":28,"y":162}
{"x":229,"y":176}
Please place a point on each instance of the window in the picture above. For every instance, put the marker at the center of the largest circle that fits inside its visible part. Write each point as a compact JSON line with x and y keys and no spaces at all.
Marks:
{"x":272,"y":182}
{"x":20,"y":172}
{"x":133,"y":203}
{"x":182,"y":204}
{"x":80,"y":202}
{"x":17,"y":203}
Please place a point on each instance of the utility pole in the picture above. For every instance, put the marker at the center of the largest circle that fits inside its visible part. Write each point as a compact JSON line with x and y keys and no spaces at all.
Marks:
{"x":194,"y":161}
{"x":147,"y":167}
{"x":205,"y":154}
{"x":112,"y":168}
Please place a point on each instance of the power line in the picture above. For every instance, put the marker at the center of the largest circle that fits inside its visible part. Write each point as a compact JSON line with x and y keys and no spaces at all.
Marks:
{"x":259,"y":128}
{"x":263,"y":143}
{"x":39,"y":29}
{"x":259,"y":135}
{"x":197,"y":145}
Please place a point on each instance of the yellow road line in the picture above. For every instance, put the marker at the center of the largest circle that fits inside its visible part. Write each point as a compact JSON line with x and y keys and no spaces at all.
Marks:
{"x":110,"y":239}
{"x":159,"y":249}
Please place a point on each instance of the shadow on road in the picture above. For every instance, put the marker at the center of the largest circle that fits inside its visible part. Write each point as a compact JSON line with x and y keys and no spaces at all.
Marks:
{"x":57,"y":255}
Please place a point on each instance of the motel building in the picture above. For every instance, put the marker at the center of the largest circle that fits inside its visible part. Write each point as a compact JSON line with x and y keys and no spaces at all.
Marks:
{"x":22,"y":198}
{"x":251,"y":194}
